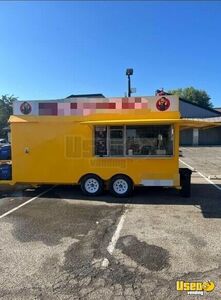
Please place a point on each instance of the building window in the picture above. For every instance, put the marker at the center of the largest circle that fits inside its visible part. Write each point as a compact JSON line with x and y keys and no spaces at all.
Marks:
{"x":140,"y":140}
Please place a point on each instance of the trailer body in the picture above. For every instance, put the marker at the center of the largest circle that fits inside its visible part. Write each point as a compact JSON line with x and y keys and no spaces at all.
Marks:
{"x":62,"y":141}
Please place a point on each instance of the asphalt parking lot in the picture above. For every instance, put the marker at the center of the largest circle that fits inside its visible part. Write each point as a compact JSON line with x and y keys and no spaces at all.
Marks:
{"x":61,"y":245}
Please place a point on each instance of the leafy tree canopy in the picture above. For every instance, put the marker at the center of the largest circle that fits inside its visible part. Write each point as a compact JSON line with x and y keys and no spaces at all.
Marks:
{"x":193,"y":95}
{"x":6,"y":102}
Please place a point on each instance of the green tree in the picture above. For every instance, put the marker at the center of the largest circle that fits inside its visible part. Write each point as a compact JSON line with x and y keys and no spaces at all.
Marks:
{"x":193,"y":95}
{"x":5,"y":111}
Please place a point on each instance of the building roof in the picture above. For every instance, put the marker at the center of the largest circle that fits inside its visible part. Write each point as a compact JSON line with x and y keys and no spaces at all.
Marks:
{"x":214,"y":110}
{"x":87,"y":96}
{"x":218,"y":109}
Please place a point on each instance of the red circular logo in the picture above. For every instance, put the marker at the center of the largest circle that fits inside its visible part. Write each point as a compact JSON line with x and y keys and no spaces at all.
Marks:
{"x":163,"y":104}
{"x":25,"y":108}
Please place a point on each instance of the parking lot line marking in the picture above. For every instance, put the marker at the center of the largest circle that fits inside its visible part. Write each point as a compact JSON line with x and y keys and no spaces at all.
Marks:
{"x":207,"y":179}
{"x":114,"y":239}
{"x":189,"y":166}
{"x":25,"y":203}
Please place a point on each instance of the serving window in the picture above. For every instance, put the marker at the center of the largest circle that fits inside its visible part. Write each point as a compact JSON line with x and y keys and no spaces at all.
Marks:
{"x":138,"y":140}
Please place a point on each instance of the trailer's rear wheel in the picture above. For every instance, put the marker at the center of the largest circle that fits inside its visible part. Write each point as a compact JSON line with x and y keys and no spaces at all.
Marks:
{"x":121,"y":186}
{"x":92,"y":185}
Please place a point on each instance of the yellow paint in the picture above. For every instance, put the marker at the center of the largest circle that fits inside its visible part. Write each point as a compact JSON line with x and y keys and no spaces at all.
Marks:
{"x":59,"y":149}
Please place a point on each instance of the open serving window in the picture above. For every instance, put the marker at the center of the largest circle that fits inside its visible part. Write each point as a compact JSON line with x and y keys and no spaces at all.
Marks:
{"x":134,"y":140}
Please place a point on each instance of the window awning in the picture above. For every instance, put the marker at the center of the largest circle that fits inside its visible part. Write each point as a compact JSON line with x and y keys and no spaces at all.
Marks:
{"x":184,"y":123}
{"x":190,"y":123}
{"x":131,"y":121}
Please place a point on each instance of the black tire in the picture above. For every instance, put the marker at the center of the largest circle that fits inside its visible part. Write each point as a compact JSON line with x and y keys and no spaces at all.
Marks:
{"x":121,"y":186}
{"x":92,"y":185}
{"x":185,"y":182}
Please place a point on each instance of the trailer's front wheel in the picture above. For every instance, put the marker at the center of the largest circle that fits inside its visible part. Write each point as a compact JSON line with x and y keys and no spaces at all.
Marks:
{"x":121,"y":186}
{"x":92,"y":185}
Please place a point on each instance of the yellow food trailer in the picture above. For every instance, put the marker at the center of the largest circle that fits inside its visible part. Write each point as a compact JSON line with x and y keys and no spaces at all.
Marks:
{"x":99,"y":143}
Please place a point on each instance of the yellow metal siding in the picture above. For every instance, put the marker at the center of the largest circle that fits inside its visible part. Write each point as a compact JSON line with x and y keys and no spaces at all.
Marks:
{"x":60,"y":150}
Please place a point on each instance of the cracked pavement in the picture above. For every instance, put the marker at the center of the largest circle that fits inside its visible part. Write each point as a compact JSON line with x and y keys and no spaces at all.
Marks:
{"x":53,"y":247}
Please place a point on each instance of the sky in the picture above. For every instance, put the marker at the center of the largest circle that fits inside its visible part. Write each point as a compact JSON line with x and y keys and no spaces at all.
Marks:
{"x":51,"y":49}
